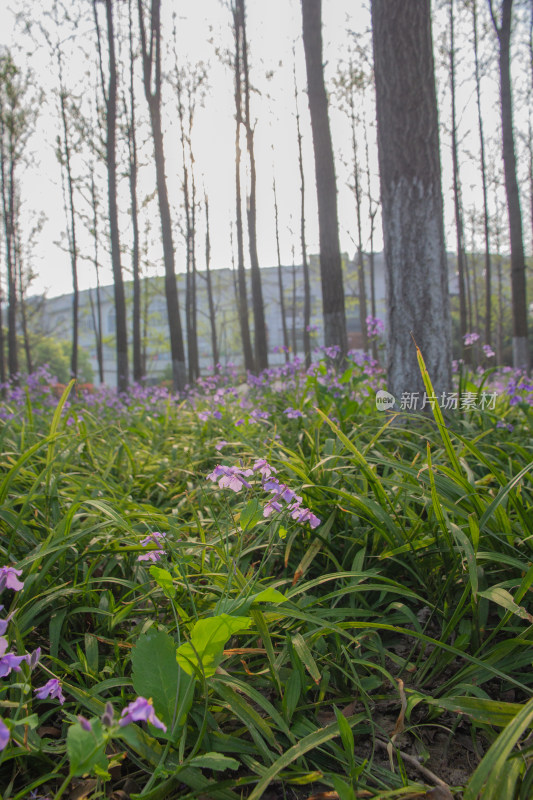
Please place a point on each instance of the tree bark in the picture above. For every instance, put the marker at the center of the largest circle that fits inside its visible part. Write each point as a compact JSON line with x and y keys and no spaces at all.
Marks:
{"x":303,"y":242}
{"x":408,"y":149}
{"x":138,"y":373}
{"x":330,"y":257}
{"x":280,"y":279}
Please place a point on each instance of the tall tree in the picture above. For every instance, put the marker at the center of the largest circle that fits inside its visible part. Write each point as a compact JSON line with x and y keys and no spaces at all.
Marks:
{"x":110,"y":99}
{"x":408,"y":150}
{"x":303,"y":242}
{"x":330,"y":256}
{"x":280,"y":277}
{"x":15,"y":126}
{"x":260,"y":334}
{"x":133,"y":168}
{"x":210,"y":300}
{"x":151,"y":58}
{"x":502,"y":25}
{"x":457,"y":202}
{"x":241,"y":274}
{"x":482,"y":163}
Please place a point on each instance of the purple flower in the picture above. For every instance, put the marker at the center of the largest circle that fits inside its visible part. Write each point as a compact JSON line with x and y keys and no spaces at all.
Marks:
{"x":141,"y":710}
{"x":220,"y":445}
{"x":204,"y":415}
{"x":9,"y":580}
{"x":85,"y":724}
{"x":293,"y":413}
{"x":262,"y":466}
{"x":470,"y":338}
{"x":489,"y":352}
{"x":152,"y":555}
{"x":4,"y":735}
{"x":374,"y":326}
{"x":9,"y":661}
{"x":51,"y":688}
{"x":230,"y":477}
{"x":302,"y":515}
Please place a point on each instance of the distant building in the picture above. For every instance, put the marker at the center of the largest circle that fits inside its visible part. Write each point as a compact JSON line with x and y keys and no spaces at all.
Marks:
{"x":56,"y":316}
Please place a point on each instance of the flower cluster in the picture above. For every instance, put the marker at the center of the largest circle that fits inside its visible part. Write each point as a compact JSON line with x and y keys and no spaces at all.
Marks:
{"x":152,"y":555}
{"x":283,"y":497}
{"x":470,"y":338}
{"x":374,"y":326}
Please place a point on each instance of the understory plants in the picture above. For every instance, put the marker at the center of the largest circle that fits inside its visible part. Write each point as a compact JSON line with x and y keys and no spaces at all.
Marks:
{"x":266,"y":586}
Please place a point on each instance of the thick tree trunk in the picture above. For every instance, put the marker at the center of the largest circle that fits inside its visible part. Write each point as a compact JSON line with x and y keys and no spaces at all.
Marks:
{"x":518,"y":269}
{"x":330,"y":257}
{"x":408,"y":145}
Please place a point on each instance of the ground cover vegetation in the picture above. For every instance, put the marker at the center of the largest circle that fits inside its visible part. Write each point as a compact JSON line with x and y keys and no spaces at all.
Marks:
{"x":266,"y":588}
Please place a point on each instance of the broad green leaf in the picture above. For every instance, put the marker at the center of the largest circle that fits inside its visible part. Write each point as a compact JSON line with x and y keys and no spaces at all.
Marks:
{"x":251,"y":514}
{"x":203,"y":653}
{"x":163,"y":578}
{"x":85,"y":749}
{"x":157,"y":675}
{"x":215,"y":761}
{"x":503,"y":598}
{"x":269,"y":595}
{"x":343,"y":789}
{"x":480,"y":709}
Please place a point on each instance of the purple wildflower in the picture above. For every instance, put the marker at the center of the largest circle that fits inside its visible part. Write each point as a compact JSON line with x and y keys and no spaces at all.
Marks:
{"x":141,"y":710}
{"x":9,"y":580}
{"x":293,"y":413}
{"x":470,"y":338}
{"x":489,"y":352}
{"x":230,"y":477}
{"x":262,"y":466}
{"x":85,"y":724}
{"x":4,"y":735}
{"x":152,"y":555}
{"x":271,"y":507}
{"x":220,"y":445}
{"x":51,"y":688}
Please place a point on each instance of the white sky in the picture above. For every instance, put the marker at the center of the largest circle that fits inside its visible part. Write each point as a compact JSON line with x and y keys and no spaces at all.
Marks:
{"x":273,"y":29}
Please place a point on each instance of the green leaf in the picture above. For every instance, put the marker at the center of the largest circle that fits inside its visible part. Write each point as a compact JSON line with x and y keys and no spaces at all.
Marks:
{"x":251,"y":515}
{"x":157,"y":675}
{"x":86,"y":749}
{"x":215,"y":761}
{"x":344,"y":791}
{"x":269,"y":595}
{"x":163,"y":578}
{"x":204,"y":652}
{"x":503,"y":598}
{"x":303,"y":651}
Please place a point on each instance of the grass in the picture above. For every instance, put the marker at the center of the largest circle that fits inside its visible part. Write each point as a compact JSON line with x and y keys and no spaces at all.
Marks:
{"x":372,"y":656}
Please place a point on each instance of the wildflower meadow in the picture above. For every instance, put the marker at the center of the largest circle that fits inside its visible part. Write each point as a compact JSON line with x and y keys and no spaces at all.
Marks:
{"x":266,"y":587}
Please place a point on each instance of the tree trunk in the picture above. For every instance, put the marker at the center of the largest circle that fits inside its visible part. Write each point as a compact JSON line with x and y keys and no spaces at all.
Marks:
{"x":7,"y":172}
{"x":518,"y":270}
{"x":110,"y":98}
{"x":241,"y":275}
{"x":486,"y":231}
{"x":459,"y":227}
{"x":138,"y":373}
{"x":96,"y":313}
{"x":210,"y":301}
{"x":303,"y":243}
{"x":408,"y":149}
{"x":153,"y":98}
{"x":280,"y":279}
{"x":330,"y":257}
